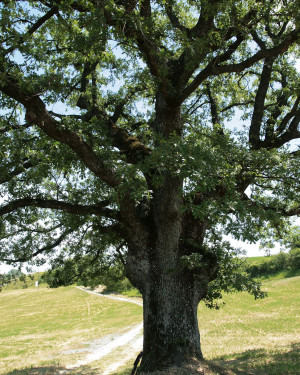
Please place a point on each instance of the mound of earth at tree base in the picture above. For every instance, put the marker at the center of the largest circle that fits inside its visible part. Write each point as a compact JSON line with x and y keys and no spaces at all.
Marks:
{"x":195,"y":368}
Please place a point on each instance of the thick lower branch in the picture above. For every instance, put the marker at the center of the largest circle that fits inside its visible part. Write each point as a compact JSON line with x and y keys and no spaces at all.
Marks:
{"x":98,"y":209}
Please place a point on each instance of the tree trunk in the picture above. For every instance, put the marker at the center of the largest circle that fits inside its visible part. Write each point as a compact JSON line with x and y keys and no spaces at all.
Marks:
{"x":171,"y":333}
{"x":171,"y":292}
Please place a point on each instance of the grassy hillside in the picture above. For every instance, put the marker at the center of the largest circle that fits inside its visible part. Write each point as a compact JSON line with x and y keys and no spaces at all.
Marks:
{"x":248,"y":336}
{"x":256,"y":260}
{"x":281,"y":264}
{"x":261,"y":335}
{"x":37,"y":326}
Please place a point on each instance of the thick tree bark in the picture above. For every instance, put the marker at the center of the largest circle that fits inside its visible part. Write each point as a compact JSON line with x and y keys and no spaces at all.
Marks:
{"x":171,"y":334}
{"x":171,"y":292}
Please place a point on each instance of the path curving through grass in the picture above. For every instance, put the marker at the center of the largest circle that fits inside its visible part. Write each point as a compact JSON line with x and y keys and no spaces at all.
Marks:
{"x":132,"y":339}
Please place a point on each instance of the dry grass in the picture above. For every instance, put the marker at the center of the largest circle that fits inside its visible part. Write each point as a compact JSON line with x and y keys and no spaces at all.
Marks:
{"x":37,"y":326}
{"x":244,"y":324}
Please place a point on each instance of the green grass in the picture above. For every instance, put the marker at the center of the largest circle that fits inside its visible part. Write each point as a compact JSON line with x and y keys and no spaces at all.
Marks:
{"x":36,"y":326}
{"x":256,"y":260}
{"x":261,"y":335}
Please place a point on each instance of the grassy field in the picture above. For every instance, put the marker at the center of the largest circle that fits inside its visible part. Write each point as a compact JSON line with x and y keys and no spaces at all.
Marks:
{"x":37,"y":326}
{"x":248,"y":336}
{"x":261,"y":336}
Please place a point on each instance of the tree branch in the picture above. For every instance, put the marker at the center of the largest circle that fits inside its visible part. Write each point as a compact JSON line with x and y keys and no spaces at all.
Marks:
{"x":120,"y":255}
{"x":209,"y":70}
{"x":145,"y":41}
{"x":37,"y":114}
{"x":294,"y":112}
{"x":213,"y":107}
{"x":280,"y":210}
{"x":41,"y":250}
{"x":260,"y":55}
{"x":25,"y":228}
{"x":186,"y":64}
{"x":97,"y":209}
{"x":214,"y":69}
{"x":237,"y":104}
{"x":145,"y":8}
{"x":291,"y":133}
{"x":129,"y":145}
{"x":259,"y":104}
{"x":77,"y":117}
{"x":88,"y":69}
{"x":17,"y":171}
{"x":174,"y":19}
{"x":40,"y":22}
{"x":14,"y":127}
{"x":205,"y":21}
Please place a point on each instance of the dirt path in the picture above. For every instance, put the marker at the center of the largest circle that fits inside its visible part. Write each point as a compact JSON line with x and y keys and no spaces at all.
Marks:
{"x":125,"y":299}
{"x":132,"y":339}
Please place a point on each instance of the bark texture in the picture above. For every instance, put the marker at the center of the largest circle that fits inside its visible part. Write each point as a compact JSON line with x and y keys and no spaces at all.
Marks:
{"x":171,"y":334}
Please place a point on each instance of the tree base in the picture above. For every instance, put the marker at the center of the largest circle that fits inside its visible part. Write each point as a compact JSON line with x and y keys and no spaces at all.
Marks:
{"x":194,"y":367}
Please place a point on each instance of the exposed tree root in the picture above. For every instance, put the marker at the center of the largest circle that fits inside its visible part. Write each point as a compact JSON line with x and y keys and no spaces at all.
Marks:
{"x":136,"y":363}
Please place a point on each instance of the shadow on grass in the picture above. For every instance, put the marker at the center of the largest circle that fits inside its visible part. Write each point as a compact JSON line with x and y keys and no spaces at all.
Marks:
{"x":292,"y":273}
{"x":54,"y":370}
{"x":250,"y":362}
{"x":264,"y":362}
{"x":43,"y":370}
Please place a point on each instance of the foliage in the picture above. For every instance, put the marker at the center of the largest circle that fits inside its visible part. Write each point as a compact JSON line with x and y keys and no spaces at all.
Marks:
{"x":83,"y":271}
{"x":294,"y":258}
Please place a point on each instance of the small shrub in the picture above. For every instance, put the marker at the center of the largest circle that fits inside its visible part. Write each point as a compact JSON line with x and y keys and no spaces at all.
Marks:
{"x":294,"y":258}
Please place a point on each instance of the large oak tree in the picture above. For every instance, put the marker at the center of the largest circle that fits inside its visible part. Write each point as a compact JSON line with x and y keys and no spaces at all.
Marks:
{"x":117,"y":141}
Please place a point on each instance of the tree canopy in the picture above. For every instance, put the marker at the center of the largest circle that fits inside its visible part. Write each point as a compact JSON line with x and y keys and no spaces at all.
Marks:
{"x":144,"y":131}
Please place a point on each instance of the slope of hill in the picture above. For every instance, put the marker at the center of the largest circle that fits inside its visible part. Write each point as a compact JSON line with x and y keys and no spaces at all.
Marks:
{"x":246,"y":336}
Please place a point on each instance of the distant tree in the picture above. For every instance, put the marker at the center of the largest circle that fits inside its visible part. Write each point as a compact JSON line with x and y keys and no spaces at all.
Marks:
{"x":9,"y":277}
{"x":14,"y":273}
{"x":114,"y":143}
